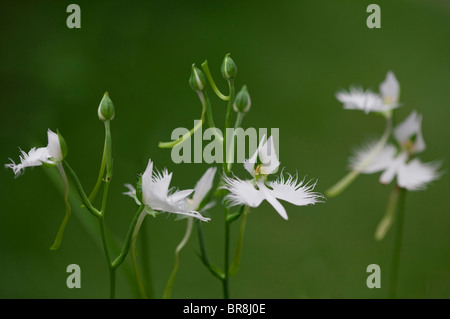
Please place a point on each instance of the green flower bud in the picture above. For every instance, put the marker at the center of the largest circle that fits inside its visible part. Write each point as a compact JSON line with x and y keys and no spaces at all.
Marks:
{"x":228,"y":68}
{"x":106,"y":108}
{"x":197,"y":80}
{"x":242,"y":101}
{"x":62,"y":145}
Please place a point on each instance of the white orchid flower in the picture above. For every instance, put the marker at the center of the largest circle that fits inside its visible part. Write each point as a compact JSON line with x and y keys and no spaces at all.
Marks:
{"x":411,"y":174}
{"x":51,"y":155}
{"x":368,"y":101}
{"x":157,"y":195}
{"x":252,"y":192}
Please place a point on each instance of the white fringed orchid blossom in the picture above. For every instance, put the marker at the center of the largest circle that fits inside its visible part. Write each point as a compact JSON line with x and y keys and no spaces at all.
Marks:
{"x":157,"y":195}
{"x":252,"y":192}
{"x":359,"y":99}
{"x":52,"y":154}
{"x":393,"y":161}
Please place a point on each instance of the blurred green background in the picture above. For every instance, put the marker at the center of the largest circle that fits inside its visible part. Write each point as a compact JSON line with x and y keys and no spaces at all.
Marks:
{"x":293,"y":56}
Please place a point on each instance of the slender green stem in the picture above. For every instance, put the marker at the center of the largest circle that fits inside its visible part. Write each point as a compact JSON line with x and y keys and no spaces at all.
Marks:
{"x":112,"y":273}
{"x":81,"y":193}
{"x":201,"y":240}
{"x":209,"y":118}
{"x":237,"y":256}
{"x":139,"y":282}
{"x":145,"y":258}
{"x":207,"y":72}
{"x":349,"y":178}
{"x":100,"y":175}
{"x":108,"y":161}
{"x":237,"y":124}
{"x":398,"y":243}
{"x":108,"y":144}
{"x":62,"y":227}
{"x":227,"y":125}
{"x":137,"y":273}
{"x":204,"y":254}
{"x":126,"y":246}
{"x":176,"y":264}
{"x":182,"y":139}
{"x":225,"y":281}
{"x":186,"y":136}
{"x":388,"y":218}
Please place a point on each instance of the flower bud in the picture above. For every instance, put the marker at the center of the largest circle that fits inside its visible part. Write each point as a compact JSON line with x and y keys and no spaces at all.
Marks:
{"x":242,"y":101}
{"x":197,"y":80}
{"x":228,"y":68}
{"x":106,"y":108}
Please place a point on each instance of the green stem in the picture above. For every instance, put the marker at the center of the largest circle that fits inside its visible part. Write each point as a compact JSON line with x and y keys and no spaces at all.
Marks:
{"x":108,"y":160}
{"x":108,"y":144}
{"x":137,"y":273}
{"x":201,"y":240}
{"x":176,"y":265}
{"x":227,"y":125}
{"x":237,"y":124}
{"x":100,"y":175}
{"x":225,"y":281}
{"x":62,"y":227}
{"x":398,"y":243}
{"x":348,"y":179}
{"x":184,"y":138}
{"x":126,"y":246}
{"x":112,"y":275}
{"x":234,"y":268}
{"x":139,"y":282}
{"x":204,"y":254}
{"x":81,"y":193}
{"x":145,"y":254}
{"x":386,"y":222}
{"x":209,"y":118}
{"x":190,"y":133}
{"x":207,"y":72}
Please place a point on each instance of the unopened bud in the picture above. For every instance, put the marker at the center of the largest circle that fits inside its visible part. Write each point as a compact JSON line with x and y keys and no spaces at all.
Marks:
{"x":106,"y":108}
{"x":228,"y":68}
{"x":197,"y":80}
{"x":242,"y":101}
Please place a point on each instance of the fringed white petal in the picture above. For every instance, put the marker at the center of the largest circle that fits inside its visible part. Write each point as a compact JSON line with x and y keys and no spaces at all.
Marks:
{"x":35,"y":157}
{"x":390,"y":89}
{"x":415,"y":175}
{"x":161,"y":182}
{"x":295,"y":192}
{"x":242,"y":192}
{"x":361,"y":161}
{"x":358,"y":99}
